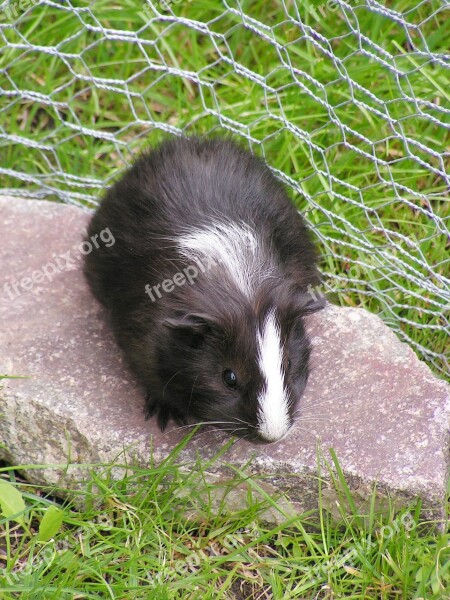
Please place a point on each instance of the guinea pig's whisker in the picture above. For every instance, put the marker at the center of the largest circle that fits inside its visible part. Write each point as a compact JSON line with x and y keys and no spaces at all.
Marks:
{"x":178,"y":427}
{"x":311,"y":414}
{"x":297,"y":426}
{"x":233,"y":432}
{"x":310,"y":404}
{"x":237,"y":420}
{"x":306,"y":409}
{"x":234,"y":429}
{"x":192,"y":391}
{"x":302,"y":411}
{"x":231,"y":423}
{"x":310,"y":417}
{"x":190,"y":425}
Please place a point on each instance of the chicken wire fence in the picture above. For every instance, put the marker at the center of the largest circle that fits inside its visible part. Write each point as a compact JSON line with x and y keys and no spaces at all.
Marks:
{"x":345,"y":100}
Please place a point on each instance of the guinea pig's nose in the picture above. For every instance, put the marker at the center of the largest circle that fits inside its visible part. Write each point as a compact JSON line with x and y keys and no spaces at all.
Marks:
{"x":270,"y":437}
{"x":273,"y":427}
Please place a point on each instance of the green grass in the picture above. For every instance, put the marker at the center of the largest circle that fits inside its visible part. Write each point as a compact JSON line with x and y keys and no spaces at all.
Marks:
{"x":156,"y":533}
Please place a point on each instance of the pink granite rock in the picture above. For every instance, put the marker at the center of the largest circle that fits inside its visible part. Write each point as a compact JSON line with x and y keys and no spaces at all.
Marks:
{"x":369,"y":397}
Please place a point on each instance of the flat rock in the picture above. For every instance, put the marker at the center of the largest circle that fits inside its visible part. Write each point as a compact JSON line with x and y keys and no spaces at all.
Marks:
{"x":369,"y":398}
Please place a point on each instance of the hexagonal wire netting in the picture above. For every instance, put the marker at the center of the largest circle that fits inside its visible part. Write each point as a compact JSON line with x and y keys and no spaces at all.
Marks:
{"x":346,"y":101}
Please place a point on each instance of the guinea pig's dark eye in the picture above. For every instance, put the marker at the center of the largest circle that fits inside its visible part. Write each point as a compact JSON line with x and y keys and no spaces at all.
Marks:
{"x":230,"y":378}
{"x":289,"y":363}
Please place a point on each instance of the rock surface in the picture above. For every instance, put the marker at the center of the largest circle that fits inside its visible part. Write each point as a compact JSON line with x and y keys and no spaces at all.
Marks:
{"x":369,"y":397}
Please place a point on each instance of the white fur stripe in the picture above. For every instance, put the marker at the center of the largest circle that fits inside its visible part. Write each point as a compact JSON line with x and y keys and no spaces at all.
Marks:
{"x":234,"y":246}
{"x":273,"y":415}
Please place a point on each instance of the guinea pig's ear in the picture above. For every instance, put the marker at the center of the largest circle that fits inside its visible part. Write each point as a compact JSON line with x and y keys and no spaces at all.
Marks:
{"x":310,"y":301}
{"x":191,"y":327}
{"x":192,"y":321}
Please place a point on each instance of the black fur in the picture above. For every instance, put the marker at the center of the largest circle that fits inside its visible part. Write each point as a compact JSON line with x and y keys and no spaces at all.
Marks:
{"x":180,"y":344}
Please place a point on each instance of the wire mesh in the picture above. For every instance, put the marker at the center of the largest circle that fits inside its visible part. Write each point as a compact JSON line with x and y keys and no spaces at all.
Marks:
{"x":345,"y":100}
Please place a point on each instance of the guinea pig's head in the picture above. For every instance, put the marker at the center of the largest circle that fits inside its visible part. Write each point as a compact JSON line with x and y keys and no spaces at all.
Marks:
{"x":242,"y":367}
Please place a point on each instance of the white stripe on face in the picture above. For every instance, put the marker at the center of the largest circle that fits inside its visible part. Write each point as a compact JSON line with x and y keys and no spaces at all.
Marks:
{"x":233,"y":246}
{"x":273,"y":415}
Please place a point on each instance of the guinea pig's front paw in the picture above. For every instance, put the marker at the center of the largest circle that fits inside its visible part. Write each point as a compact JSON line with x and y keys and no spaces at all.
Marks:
{"x":151,"y":406}
{"x":163,"y":412}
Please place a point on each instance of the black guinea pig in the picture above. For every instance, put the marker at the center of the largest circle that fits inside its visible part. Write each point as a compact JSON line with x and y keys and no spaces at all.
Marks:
{"x":207,"y":284}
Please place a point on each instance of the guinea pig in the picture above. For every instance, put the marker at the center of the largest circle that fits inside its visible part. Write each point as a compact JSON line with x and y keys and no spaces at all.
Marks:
{"x":207,"y":285}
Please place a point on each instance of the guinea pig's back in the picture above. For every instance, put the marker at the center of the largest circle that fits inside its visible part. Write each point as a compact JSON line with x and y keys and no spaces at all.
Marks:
{"x":222,"y":182}
{"x":217,"y":181}
{"x":182,"y":186}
